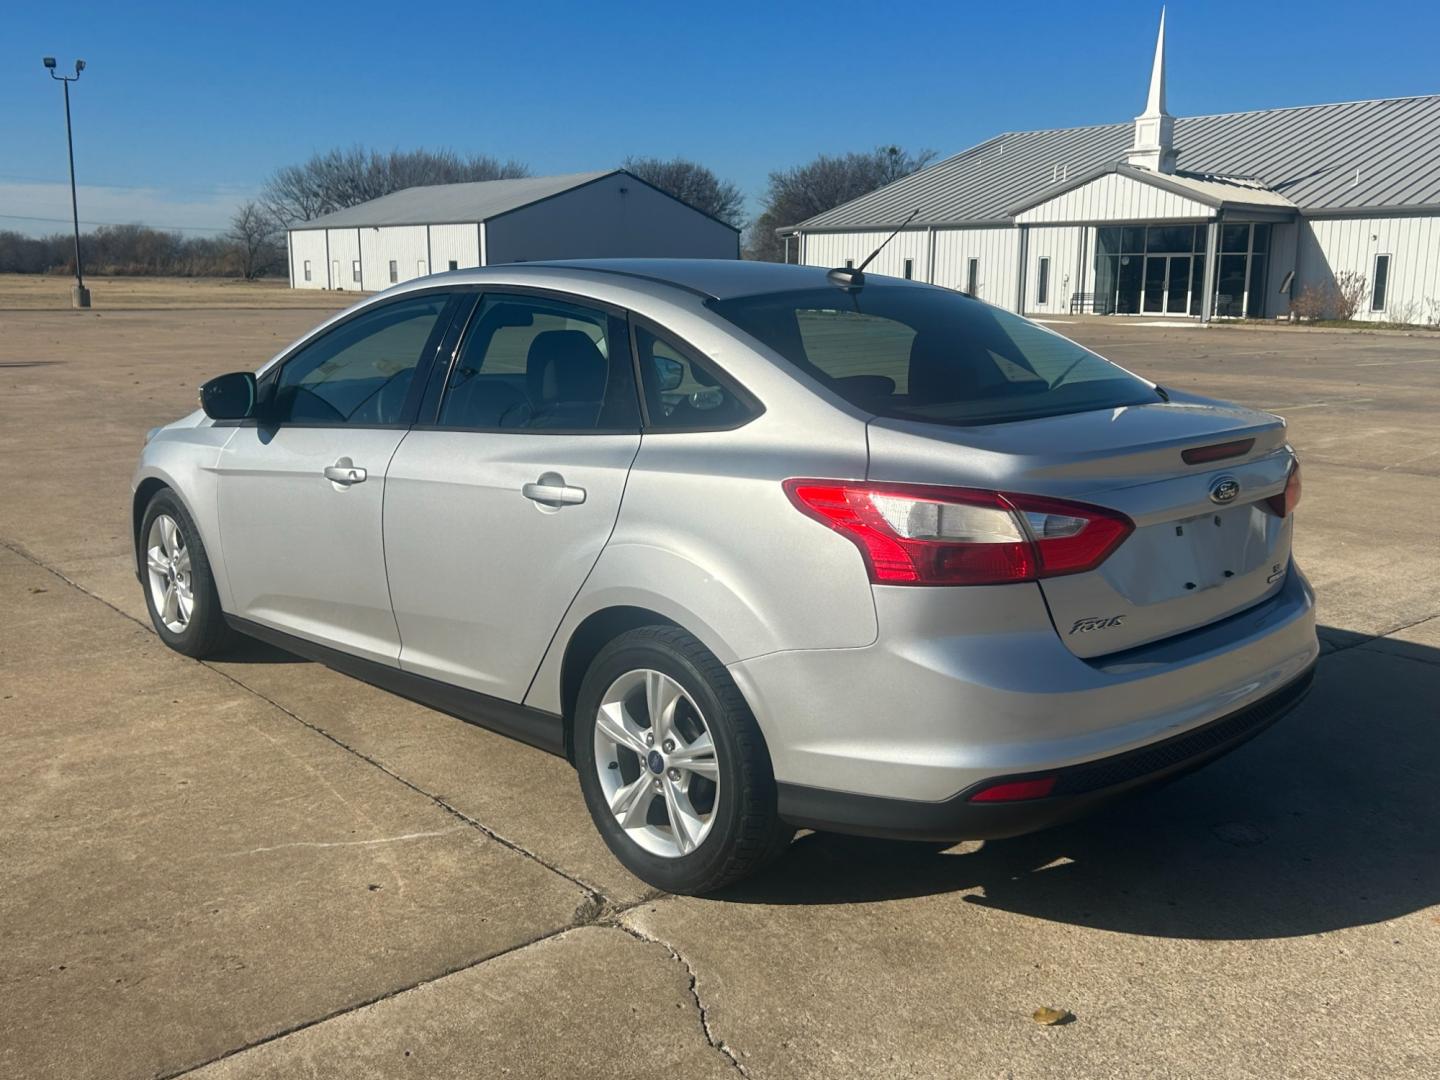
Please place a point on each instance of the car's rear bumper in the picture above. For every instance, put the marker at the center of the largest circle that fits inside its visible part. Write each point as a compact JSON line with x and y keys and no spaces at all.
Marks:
{"x":1077,"y":788}
{"x":973,"y":685}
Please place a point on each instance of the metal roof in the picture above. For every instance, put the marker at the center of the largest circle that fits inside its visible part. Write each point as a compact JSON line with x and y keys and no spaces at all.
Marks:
{"x":438,"y":204}
{"x":1355,"y":155}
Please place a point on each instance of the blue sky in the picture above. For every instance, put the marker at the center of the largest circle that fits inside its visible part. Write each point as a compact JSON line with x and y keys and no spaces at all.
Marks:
{"x":185,"y":109}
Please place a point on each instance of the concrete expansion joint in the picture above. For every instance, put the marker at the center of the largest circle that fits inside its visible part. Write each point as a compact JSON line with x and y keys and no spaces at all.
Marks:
{"x":694,"y":987}
{"x":1370,"y":639}
{"x":593,"y":896}
{"x":591,"y":891}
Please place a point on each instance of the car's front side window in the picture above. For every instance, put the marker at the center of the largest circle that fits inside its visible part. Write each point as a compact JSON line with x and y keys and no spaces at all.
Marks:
{"x":360,"y":372}
{"x":536,"y":363}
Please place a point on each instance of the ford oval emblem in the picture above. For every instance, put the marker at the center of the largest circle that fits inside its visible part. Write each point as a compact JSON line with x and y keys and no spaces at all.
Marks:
{"x":1224,"y":489}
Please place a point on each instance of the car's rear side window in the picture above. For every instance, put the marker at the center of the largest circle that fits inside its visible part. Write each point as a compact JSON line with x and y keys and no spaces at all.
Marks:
{"x":683,"y":392}
{"x":535,"y":363}
{"x":934,"y":355}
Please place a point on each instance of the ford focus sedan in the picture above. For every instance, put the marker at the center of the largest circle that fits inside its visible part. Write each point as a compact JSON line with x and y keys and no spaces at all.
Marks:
{"x":755,"y":547}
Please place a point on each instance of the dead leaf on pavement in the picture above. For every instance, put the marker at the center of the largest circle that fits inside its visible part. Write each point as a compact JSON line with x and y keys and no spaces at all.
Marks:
{"x":1051,"y":1017}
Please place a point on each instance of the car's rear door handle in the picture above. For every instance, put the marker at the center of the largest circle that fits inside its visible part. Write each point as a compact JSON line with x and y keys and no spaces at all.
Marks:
{"x":342,"y":472}
{"x":552,"y":490}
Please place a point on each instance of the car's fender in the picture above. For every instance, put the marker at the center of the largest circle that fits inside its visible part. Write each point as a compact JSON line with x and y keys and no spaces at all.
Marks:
{"x":183,"y":459}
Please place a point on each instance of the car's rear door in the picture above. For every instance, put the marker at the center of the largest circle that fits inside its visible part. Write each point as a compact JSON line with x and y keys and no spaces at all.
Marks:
{"x":497,"y":508}
{"x":301,"y":489}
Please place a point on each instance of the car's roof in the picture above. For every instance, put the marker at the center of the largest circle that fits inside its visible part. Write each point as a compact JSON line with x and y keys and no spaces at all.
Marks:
{"x":717,"y":278}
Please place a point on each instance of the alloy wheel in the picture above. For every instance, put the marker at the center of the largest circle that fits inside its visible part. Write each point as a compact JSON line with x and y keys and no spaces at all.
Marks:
{"x":167,"y":562}
{"x":656,"y":763}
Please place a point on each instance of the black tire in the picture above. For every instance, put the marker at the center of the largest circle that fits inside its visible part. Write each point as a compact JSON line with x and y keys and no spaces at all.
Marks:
{"x":206,"y":634}
{"x":746,"y":833}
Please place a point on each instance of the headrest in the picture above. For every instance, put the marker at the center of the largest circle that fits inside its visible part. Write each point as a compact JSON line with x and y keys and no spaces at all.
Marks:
{"x":938,"y":370}
{"x":564,"y":365}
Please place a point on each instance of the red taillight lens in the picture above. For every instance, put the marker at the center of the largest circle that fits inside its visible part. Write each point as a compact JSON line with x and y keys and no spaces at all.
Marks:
{"x":1016,"y":790}
{"x":1283,"y":505}
{"x":910,"y":534}
{"x":1198,"y":455}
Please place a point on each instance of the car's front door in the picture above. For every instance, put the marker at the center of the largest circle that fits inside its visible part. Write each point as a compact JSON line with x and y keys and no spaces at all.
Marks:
{"x":496,"y":511}
{"x":301,"y":489}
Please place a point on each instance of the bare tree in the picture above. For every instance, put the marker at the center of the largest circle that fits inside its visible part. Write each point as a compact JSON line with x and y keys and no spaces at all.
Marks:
{"x":802,"y":192}
{"x":692,"y":183}
{"x":340,"y":178}
{"x":252,"y":232}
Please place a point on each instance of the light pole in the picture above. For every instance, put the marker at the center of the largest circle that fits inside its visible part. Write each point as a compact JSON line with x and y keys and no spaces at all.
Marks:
{"x":79,"y":295}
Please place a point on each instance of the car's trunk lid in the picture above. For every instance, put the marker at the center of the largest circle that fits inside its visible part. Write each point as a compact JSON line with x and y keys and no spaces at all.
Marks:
{"x":1194,"y":556}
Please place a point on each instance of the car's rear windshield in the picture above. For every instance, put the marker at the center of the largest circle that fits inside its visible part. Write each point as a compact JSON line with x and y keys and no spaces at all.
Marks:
{"x":932,"y":354}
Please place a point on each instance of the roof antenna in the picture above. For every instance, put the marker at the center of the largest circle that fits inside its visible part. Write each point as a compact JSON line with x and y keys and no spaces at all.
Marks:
{"x":845,"y":278}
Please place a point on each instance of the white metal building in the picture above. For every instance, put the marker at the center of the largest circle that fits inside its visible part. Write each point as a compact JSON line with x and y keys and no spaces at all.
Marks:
{"x":1104,"y":218}
{"x":423,"y":230}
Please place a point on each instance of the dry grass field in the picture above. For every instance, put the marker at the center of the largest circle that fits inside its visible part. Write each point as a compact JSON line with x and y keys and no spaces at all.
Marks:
{"x":45,"y":292}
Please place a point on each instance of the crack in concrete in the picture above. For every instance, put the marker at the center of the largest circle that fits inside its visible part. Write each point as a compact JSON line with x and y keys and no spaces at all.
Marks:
{"x":346,"y":843}
{"x":694,"y":987}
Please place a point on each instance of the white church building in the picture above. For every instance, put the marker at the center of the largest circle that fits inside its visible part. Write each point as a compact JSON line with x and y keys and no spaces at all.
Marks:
{"x":1201,"y":217}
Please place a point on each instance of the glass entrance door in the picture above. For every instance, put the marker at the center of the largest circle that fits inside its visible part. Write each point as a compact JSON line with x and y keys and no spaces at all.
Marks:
{"x":1167,"y":285}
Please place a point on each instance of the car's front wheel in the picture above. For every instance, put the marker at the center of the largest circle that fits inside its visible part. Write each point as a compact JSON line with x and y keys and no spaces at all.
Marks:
{"x":179,"y":585}
{"x":672,"y":764}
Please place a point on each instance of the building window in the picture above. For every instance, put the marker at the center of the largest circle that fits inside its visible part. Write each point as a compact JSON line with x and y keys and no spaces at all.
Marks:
{"x":394,"y":272}
{"x":1042,"y":281}
{"x":355,"y":269}
{"x":972,"y":276}
{"x":420,"y":270}
{"x":454,"y":264}
{"x":909,"y":269}
{"x":1382,"y":283}
{"x":307,"y":269}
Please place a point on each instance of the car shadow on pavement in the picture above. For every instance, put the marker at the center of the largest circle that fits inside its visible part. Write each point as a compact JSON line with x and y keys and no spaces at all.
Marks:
{"x":248,"y":650}
{"x":1328,"y":820}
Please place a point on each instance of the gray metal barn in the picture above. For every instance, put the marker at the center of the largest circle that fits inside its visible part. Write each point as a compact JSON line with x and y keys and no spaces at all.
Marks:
{"x":424,"y":230}
{"x":1104,"y":219}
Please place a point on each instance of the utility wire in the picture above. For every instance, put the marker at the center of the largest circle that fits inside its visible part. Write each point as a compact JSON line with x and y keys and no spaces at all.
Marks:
{"x":117,"y":224}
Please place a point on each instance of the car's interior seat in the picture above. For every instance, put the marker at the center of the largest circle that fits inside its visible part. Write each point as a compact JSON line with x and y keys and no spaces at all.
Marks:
{"x":565,"y":377}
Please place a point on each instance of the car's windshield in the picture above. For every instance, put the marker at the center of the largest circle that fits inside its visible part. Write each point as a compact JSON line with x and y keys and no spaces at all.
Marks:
{"x":932,"y":355}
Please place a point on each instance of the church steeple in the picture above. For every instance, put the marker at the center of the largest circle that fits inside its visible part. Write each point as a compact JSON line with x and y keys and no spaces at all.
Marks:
{"x":1155,"y":128}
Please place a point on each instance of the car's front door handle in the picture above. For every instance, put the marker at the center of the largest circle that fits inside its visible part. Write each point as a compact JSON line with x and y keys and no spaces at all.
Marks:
{"x":342,"y":472}
{"x":552,"y":490}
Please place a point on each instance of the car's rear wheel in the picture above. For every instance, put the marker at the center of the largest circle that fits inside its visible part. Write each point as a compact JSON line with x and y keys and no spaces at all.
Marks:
{"x":672,"y":764}
{"x":179,"y":585}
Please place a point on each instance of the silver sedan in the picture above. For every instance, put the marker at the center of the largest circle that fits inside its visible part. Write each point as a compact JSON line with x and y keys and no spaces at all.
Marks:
{"x":755,"y":547}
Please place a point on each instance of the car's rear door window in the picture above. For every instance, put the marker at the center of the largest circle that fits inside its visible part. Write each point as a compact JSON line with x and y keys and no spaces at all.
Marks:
{"x":541,"y":364}
{"x":683,"y":392}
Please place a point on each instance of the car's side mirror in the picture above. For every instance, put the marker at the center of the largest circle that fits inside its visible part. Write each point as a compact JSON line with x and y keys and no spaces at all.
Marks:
{"x":671,"y":373}
{"x":229,"y":397}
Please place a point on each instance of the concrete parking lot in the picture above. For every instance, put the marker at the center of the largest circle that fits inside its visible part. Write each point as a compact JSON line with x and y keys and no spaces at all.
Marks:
{"x":257,"y":867}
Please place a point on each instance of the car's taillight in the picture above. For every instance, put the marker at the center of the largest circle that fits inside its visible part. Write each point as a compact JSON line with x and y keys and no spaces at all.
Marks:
{"x":1283,"y":505}
{"x":912,"y":534}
